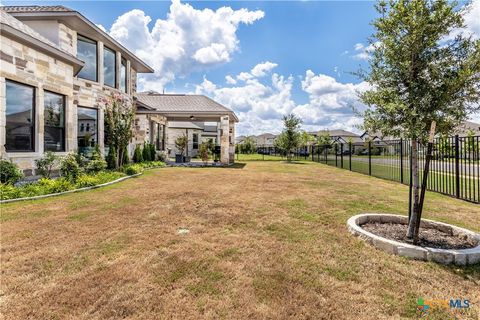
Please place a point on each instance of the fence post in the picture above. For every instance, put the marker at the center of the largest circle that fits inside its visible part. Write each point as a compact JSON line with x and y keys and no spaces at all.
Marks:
{"x":401,"y":160}
{"x":336,"y":155}
{"x":369,"y":157}
{"x":341,"y":155}
{"x":350,"y":156}
{"x":457,"y":167}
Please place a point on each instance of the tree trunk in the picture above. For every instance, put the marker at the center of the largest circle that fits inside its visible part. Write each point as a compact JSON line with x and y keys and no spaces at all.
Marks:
{"x":119,"y":157}
{"x":412,"y":224}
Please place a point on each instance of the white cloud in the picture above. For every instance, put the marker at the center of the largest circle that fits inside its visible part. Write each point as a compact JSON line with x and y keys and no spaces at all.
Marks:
{"x":260,"y":103}
{"x":471,"y":14}
{"x":188,"y":40}
{"x":244,"y":76}
{"x":261,"y":69}
{"x":101,"y":27}
{"x":330,"y":102}
{"x":229,"y":79}
{"x":362,"y":52}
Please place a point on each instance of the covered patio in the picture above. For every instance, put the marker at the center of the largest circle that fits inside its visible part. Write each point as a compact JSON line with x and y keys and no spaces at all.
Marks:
{"x":196,"y":116}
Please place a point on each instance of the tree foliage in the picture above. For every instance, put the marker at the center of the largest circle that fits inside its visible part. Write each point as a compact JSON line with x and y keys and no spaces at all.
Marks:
{"x":119,"y":118}
{"x":291,"y":137}
{"x":419,"y":74}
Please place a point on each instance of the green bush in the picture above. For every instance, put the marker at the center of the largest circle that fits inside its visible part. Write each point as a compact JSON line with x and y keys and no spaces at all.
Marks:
{"x":146,"y":152}
{"x":96,"y":165}
{"x":153,"y":152}
{"x":86,"y":181}
{"x":8,"y":191}
{"x":133,"y":169}
{"x":45,"y":165}
{"x":107,"y":176}
{"x":137,"y":154}
{"x":70,"y":168}
{"x":112,"y":158}
{"x":9,"y":172}
{"x":55,"y":186}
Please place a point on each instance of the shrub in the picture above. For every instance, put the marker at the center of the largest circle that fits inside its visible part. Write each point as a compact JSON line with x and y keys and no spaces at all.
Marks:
{"x":104,"y":177}
{"x":126,"y":158}
{"x":204,"y":152}
{"x":55,"y":186}
{"x":95,"y":166}
{"x":153,"y":152}
{"x":137,"y":155}
{"x":69,"y":168}
{"x":133,"y":169}
{"x":146,"y":152}
{"x":86,"y":181}
{"x":9,"y":172}
{"x":46,"y":164}
{"x":112,"y":158}
{"x":8,"y":191}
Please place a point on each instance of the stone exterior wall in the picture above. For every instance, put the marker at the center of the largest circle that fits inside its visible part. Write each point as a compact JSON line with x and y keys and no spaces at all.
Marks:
{"x":25,"y":65}
{"x":174,"y":133}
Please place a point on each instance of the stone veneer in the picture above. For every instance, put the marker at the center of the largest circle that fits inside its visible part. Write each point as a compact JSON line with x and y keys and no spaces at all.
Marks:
{"x":26,"y":65}
{"x":29,"y":66}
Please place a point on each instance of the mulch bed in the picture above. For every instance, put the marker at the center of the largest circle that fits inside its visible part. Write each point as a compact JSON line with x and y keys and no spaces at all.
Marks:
{"x":428,"y":237}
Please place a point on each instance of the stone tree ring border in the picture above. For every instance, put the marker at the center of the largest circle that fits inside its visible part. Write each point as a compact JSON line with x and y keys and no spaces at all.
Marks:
{"x":461,"y":257}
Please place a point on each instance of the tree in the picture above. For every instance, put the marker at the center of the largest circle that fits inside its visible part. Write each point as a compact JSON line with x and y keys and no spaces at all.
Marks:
{"x":119,"y":118}
{"x":204,"y":152}
{"x":290,"y":138}
{"x":249,"y":145}
{"x":420,"y":74}
{"x":181,"y":143}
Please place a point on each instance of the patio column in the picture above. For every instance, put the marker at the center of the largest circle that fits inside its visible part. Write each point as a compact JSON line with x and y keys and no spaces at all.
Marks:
{"x":224,"y":140}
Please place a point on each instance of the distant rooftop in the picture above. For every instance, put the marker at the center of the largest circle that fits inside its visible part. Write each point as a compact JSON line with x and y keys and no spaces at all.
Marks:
{"x":181,"y":103}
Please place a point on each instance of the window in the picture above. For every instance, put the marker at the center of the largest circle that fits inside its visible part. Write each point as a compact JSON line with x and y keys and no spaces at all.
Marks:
{"x":20,"y":117}
{"x":195,"y":141}
{"x":54,"y":115}
{"x":123,"y":76}
{"x":87,"y":123}
{"x":160,"y":141}
{"x":87,"y":52}
{"x":109,"y":67}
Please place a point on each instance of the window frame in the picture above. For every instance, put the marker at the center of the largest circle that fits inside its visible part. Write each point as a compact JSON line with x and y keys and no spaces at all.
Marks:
{"x":195,"y":145}
{"x":85,"y":127}
{"x":125,"y":82}
{"x":64,"y":98}
{"x":34,"y":117}
{"x":97,"y":58}
{"x":105,"y":48}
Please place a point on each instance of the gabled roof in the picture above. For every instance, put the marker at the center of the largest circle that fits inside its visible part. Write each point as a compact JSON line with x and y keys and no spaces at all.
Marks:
{"x":337,"y":133}
{"x":14,"y":28}
{"x":466,"y":127}
{"x":78,"y":22}
{"x":182,"y":104}
{"x":266,"y":136}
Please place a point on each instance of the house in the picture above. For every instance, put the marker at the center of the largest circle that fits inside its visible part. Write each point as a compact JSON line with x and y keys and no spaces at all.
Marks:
{"x":55,"y":66}
{"x":266,"y":140}
{"x":338,"y":136}
{"x":468,"y":128}
{"x":197,"y":116}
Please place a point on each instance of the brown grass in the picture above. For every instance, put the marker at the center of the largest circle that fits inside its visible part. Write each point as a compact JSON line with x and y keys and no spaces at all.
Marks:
{"x":266,"y":241}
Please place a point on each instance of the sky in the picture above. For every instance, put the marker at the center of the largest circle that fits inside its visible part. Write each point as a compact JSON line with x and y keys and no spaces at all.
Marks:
{"x":261,"y":59}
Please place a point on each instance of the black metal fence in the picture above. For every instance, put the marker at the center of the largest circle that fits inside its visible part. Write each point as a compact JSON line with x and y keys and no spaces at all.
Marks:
{"x":454,"y":168}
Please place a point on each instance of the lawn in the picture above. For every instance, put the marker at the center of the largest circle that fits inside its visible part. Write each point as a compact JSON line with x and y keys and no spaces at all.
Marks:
{"x":267,"y":240}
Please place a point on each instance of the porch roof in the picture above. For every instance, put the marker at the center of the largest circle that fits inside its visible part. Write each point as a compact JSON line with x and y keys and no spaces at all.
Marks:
{"x":178,"y":107}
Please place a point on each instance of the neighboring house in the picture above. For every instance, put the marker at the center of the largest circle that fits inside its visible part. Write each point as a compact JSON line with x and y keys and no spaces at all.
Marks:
{"x":240,"y":139}
{"x":199,"y":116}
{"x":339,"y":136}
{"x":468,"y":128}
{"x":55,"y":66}
{"x":265,"y":140}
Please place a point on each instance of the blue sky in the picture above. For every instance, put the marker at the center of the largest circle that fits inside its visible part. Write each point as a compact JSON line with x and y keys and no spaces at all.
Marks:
{"x":304,"y":51}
